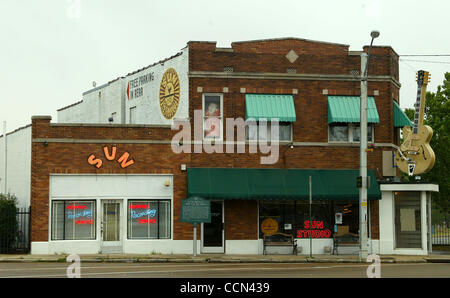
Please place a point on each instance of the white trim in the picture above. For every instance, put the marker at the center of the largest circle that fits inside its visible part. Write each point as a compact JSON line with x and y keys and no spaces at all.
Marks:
{"x":409,"y":187}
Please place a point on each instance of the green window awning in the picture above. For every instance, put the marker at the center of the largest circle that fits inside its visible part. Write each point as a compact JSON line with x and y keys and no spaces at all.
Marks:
{"x":277,"y":184}
{"x":270,"y":106}
{"x":348,"y":109}
{"x":400,"y":118}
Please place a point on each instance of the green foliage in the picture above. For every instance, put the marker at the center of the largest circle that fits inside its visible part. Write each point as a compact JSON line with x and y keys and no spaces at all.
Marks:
{"x":437,"y":111}
{"x":8,"y":222}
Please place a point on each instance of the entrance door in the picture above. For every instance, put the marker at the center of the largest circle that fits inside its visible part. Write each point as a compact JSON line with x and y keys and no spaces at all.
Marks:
{"x":213,"y":234}
{"x":111,"y":226}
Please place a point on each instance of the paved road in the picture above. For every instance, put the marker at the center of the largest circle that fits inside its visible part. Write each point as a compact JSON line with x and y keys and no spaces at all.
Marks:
{"x":244,"y":270}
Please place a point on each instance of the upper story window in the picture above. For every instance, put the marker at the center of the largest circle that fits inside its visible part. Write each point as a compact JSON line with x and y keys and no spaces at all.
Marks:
{"x":262,"y":109}
{"x":262,"y":131}
{"x":348,"y":132}
{"x":213,"y":116}
{"x":344,"y":118}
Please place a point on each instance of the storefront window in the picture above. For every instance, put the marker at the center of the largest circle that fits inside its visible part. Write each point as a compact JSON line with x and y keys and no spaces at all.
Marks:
{"x":149,"y":219}
{"x":328,"y":217}
{"x":73,"y":220}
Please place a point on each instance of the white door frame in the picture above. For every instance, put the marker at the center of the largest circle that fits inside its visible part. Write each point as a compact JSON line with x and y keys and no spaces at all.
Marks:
{"x":111,"y":246}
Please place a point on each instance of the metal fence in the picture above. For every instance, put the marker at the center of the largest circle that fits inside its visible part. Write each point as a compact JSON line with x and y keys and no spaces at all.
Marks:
{"x":15,"y":231}
{"x":440,"y":231}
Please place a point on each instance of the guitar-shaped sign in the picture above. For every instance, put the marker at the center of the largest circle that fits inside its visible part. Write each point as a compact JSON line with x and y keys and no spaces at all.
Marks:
{"x":416,"y":155}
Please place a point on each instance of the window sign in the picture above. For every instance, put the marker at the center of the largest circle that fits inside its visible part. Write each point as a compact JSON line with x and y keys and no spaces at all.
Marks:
{"x":269,"y":226}
{"x":149,"y":219}
{"x":338,"y":218}
{"x":313,"y":229}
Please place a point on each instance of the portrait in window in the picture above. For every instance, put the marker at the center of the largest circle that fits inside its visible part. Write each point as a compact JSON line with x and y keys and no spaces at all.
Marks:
{"x":212,"y":116}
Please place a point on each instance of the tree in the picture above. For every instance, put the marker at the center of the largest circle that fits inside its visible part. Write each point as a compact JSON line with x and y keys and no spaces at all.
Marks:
{"x":8,"y":222}
{"x":436,"y":115}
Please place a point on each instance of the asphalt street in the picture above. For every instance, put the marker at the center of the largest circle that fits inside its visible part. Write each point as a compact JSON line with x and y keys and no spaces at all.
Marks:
{"x":244,"y":270}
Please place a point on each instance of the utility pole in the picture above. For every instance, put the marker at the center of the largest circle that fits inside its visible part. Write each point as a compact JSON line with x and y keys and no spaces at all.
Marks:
{"x":363,"y":251}
{"x":6,"y":158}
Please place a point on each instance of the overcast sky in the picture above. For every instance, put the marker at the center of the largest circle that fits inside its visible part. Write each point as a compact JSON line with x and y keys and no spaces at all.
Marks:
{"x":52,"y":50}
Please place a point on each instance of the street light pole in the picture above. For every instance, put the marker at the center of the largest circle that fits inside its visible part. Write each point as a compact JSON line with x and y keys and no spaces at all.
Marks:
{"x":363,"y":250}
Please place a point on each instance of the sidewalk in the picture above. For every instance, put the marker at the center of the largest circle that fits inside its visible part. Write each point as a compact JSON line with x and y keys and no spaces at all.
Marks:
{"x":220,"y":258}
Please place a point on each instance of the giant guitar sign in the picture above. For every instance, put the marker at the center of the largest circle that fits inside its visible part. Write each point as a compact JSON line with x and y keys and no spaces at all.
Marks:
{"x":415,"y":156}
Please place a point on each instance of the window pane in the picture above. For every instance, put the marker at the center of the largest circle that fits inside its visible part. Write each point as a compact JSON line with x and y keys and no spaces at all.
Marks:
{"x":338,"y":133}
{"x":357,"y":133}
{"x":213,"y":117}
{"x":164,"y":220}
{"x":211,"y":127}
{"x":58,"y":220}
{"x":285,"y":131}
{"x":73,"y":220}
{"x":212,"y":106}
{"x":251,"y":131}
{"x":408,"y":232}
{"x":293,"y":217}
{"x":348,"y":212}
{"x":148,"y":219}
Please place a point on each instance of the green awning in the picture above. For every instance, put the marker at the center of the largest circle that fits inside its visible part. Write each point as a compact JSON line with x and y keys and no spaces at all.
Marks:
{"x":270,"y":106}
{"x":348,"y":109}
{"x":400,"y":118}
{"x":277,"y":184}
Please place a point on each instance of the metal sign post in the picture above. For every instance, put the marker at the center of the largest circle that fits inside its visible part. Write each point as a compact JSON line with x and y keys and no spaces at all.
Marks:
{"x":195,"y":239}
{"x":310,"y":217}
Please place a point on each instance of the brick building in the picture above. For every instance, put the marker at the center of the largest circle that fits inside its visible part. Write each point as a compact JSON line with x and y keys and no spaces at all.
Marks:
{"x":111,"y":174}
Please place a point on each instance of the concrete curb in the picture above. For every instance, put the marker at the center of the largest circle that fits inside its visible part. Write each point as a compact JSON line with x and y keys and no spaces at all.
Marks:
{"x":62,"y":259}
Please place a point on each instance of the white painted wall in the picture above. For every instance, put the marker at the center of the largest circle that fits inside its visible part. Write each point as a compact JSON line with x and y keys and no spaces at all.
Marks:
{"x":99,"y":103}
{"x":97,"y":106}
{"x":18,"y":165}
{"x":148,"y":109}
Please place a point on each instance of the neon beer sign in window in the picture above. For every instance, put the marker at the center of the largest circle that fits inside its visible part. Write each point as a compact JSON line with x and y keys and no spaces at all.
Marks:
{"x":142,"y":213}
{"x":313,"y":229}
{"x":80,"y":213}
{"x":76,"y":207}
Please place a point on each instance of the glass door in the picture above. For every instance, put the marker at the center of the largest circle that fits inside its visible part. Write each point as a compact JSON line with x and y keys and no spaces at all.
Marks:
{"x":111,"y":226}
{"x":213,"y":234}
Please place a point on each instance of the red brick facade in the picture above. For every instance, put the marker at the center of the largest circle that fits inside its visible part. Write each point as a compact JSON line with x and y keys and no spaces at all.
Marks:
{"x":259,"y":67}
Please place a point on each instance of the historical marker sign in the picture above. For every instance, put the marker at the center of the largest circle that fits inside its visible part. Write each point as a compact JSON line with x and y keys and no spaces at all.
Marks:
{"x":195,"y":210}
